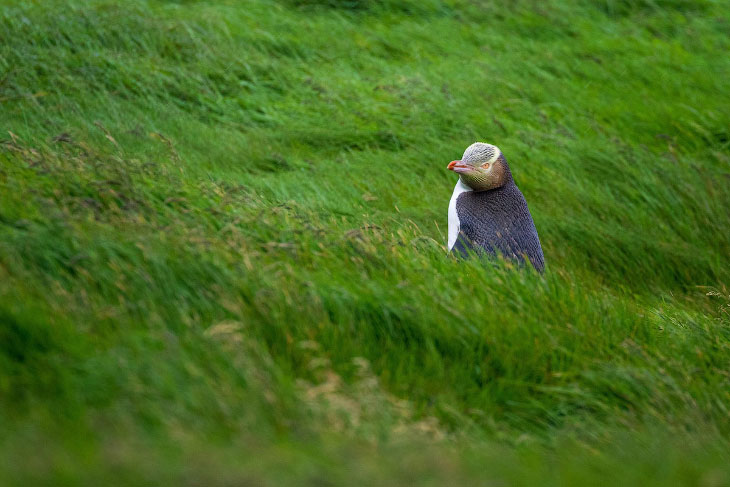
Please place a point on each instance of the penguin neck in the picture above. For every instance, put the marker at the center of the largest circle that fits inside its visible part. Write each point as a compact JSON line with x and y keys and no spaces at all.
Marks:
{"x":461,"y":187}
{"x":507,"y":185}
{"x":507,"y":178}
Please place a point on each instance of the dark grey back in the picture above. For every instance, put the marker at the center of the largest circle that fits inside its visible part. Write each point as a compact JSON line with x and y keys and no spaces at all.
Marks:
{"x":498,"y":220}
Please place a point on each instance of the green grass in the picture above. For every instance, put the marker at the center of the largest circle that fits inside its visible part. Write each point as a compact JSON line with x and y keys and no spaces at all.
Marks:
{"x":222,"y":243}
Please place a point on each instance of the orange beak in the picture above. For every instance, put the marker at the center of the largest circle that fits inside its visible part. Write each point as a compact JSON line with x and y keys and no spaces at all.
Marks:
{"x":458,"y":167}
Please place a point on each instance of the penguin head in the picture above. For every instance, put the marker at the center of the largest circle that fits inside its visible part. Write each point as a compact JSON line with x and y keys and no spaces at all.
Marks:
{"x":482,"y":167}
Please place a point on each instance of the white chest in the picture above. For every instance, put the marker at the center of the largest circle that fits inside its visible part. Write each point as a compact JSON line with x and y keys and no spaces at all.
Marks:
{"x":454,"y":225}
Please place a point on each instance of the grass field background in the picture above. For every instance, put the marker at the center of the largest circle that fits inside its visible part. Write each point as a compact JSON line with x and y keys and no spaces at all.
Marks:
{"x":222,"y":243}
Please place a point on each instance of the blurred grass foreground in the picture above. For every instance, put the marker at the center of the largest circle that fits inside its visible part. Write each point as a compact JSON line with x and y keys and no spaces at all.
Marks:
{"x":222,"y":243}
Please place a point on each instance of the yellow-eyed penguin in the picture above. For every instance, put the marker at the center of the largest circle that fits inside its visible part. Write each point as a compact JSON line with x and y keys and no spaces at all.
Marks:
{"x":487,"y":211}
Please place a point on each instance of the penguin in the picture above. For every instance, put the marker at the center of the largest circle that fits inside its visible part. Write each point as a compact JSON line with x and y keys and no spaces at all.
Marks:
{"x":487,"y":212}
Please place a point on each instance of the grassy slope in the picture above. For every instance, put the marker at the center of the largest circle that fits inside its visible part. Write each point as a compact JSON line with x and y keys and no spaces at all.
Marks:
{"x":222,"y":229}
